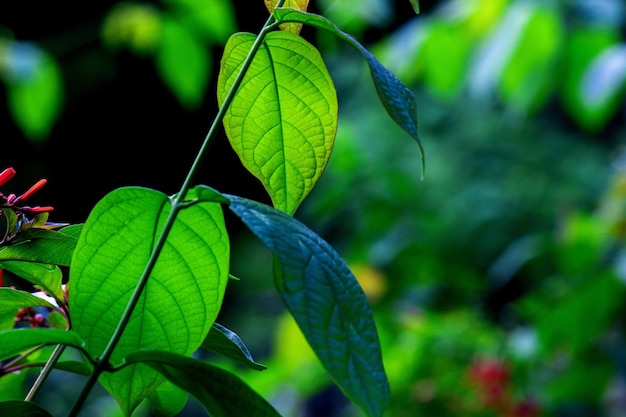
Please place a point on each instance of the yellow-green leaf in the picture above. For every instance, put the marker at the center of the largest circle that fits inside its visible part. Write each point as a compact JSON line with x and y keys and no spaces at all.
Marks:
{"x":283,"y":120}
{"x":294,"y":4}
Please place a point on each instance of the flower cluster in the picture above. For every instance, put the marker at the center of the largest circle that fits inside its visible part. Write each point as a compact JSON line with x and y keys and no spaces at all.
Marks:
{"x":15,"y":216}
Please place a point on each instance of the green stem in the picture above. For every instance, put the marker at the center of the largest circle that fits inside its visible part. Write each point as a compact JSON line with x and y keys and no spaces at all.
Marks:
{"x":43,"y":375}
{"x":177,"y":204}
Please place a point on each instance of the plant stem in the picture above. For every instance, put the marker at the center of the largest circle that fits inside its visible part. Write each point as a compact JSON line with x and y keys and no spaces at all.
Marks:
{"x":43,"y":375}
{"x":177,"y":204}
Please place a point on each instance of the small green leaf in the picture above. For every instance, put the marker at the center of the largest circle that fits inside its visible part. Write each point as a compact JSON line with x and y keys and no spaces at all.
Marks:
{"x":184,"y":292}
{"x":44,"y":246}
{"x":226,"y":342}
{"x":22,"y":409}
{"x":183,"y":62}
{"x":14,"y":342}
{"x":220,"y":392}
{"x":283,"y":120}
{"x":397,"y":99}
{"x":46,"y":277}
{"x":416,"y":6}
{"x":326,"y":300}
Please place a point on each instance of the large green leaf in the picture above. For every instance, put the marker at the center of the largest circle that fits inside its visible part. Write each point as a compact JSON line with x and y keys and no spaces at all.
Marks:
{"x":22,"y":409}
{"x":326,"y":301}
{"x":283,"y":120}
{"x":397,"y":99}
{"x":220,"y":392}
{"x":14,"y":342}
{"x":181,"y":299}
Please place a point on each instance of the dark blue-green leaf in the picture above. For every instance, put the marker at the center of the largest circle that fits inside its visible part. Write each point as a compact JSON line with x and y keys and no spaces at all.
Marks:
{"x":326,"y":300}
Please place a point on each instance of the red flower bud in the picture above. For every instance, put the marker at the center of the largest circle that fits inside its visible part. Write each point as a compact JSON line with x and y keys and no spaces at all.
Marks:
{"x":37,"y":209}
{"x":6,"y":175}
{"x":32,"y":190}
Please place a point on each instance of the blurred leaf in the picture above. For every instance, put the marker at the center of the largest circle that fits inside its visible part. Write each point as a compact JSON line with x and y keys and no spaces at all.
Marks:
{"x":416,"y":6}
{"x":14,"y":342}
{"x":326,"y":300}
{"x":528,"y":75}
{"x":35,"y":90}
{"x":183,"y":63}
{"x":397,"y":99}
{"x":182,"y":297}
{"x":583,"y":46}
{"x":584,"y":380}
{"x":226,"y":342}
{"x":283,"y":119}
{"x":134,"y":25}
{"x":595,"y":303}
{"x":604,"y":84}
{"x":22,"y":409}
{"x":221,"y":393}
{"x":213,"y":20}
{"x":446,"y":54}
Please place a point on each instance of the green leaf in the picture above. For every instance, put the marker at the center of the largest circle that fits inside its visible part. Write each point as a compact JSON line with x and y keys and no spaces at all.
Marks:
{"x":35,"y":95}
{"x":416,"y":6}
{"x":14,"y":342}
{"x":46,"y":277}
{"x":44,"y":246}
{"x":168,"y":400}
{"x":12,"y":385}
{"x":181,"y":299}
{"x":22,"y":409}
{"x":11,"y":300}
{"x":283,"y":120}
{"x":226,"y":342}
{"x":326,"y":300}
{"x":220,"y":392}
{"x":183,"y":62}
{"x":397,"y":99}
